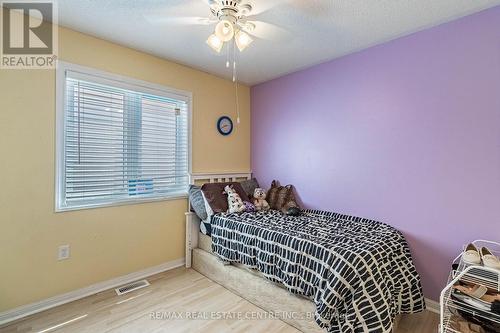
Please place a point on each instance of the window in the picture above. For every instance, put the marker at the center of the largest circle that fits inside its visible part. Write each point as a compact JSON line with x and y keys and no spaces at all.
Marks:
{"x":119,"y":140}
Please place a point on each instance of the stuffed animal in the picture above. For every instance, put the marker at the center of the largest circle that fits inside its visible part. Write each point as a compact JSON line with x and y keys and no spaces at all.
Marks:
{"x":293,"y":211}
{"x":249,"y":207}
{"x":233,"y":200}
{"x":260,"y":199}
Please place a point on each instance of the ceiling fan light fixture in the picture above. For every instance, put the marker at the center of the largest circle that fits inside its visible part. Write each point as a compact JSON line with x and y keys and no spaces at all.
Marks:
{"x":242,"y":40}
{"x":215,"y":43}
{"x":248,"y":26}
{"x":224,"y":30}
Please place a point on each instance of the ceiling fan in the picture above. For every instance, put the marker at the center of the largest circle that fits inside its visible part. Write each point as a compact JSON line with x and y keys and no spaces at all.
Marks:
{"x":231,"y":15}
{"x":234,"y":25}
{"x":233,"y":22}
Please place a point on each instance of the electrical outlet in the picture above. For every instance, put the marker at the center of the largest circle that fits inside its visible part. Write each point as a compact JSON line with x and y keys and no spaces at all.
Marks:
{"x":63,"y":252}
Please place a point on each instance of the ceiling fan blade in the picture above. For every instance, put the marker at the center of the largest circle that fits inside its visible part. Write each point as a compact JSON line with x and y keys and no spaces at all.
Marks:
{"x":265,"y":30}
{"x":259,"y":7}
{"x":187,"y":20}
{"x":182,"y":12}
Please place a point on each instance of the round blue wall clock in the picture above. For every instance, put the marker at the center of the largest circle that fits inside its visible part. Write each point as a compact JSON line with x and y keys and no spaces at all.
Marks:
{"x":225,"y":125}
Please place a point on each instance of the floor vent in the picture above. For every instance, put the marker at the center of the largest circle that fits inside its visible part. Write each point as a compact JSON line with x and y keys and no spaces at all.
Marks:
{"x":131,"y":287}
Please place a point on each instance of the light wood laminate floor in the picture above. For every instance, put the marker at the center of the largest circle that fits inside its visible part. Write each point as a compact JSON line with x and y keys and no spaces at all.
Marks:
{"x":177,"y":294}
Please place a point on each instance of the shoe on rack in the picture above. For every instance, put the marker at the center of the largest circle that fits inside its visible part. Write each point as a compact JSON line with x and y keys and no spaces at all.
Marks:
{"x":480,"y":293}
{"x":471,"y":255}
{"x":489,"y":259}
{"x":458,"y":324}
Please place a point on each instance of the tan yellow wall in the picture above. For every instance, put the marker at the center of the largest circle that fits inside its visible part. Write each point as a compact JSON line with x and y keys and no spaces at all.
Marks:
{"x":105,"y":242}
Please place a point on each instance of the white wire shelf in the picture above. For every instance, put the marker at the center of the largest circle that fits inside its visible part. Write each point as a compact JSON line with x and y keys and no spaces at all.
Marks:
{"x":457,"y":306}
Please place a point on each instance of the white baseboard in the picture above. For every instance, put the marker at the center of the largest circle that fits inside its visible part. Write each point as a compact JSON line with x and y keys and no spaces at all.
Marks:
{"x":26,"y":310}
{"x":51,"y":302}
{"x":432,"y":306}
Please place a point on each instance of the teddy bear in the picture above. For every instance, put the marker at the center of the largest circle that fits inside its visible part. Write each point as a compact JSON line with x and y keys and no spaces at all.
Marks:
{"x":260,"y":199}
{"x":234,"y":200}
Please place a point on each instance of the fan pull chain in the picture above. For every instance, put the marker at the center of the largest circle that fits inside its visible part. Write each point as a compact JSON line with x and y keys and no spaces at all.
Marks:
{"x":234,"y":63}
{"x":236,"y":84}
{"x":237,"y":103}
{"x":234,"y":71}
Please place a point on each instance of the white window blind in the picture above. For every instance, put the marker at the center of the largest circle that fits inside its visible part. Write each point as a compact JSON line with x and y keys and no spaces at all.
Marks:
{"x":122,"y":143}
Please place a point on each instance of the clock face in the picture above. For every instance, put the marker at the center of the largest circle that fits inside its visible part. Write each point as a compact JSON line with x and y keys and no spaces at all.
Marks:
{"x":225,"y":125}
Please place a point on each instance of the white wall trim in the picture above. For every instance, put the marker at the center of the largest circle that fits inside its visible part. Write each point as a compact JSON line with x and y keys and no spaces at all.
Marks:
{"x":432,"y":306}
{"x":26,"y":310}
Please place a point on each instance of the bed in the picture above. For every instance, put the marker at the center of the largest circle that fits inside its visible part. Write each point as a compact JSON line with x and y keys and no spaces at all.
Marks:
{"x":320,"y":271}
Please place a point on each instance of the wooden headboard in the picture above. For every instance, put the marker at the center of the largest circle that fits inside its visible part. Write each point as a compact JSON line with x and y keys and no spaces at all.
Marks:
{"x":201,"y":178}
{"x":192,"y":221}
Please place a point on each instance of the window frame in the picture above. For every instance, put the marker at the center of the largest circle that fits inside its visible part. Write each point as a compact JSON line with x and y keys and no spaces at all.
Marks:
{"x":117,"y":81}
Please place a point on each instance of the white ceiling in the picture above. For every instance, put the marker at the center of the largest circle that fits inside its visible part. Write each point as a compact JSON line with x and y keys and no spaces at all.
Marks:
{"x":318,"y":30}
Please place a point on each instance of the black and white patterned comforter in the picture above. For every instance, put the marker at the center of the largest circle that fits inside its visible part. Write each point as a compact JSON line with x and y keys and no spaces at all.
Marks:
{"x":358,"y":272}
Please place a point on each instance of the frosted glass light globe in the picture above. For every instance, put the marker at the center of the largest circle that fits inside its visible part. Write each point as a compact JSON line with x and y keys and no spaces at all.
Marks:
{"x":215,"y":43}
{"x":242,"y":40}
{"x":224,"y":30}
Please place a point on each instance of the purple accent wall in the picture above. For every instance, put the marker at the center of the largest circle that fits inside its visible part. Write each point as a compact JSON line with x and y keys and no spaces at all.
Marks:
{"x":407,"y":132}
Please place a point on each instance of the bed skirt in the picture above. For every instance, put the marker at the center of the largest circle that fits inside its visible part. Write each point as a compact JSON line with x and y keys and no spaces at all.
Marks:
{"x":252,"y":286}
{"x":294,"y":310}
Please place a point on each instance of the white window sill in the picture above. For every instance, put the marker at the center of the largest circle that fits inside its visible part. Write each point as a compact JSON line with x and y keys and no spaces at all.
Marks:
{"x":124,"y":202}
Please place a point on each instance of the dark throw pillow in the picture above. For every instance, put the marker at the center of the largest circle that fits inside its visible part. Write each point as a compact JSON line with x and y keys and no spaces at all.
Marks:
{"x":249,"y":186}
{"x":214,"y":194}
{"x":281,"y":197}
{"x":272,"y":194}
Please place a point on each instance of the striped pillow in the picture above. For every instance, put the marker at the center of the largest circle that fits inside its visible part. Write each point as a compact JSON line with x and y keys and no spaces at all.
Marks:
{"x":197,"y":202}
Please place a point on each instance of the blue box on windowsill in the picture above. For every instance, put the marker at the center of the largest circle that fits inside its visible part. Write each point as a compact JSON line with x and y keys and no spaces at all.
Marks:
{"x":140,"y":186}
